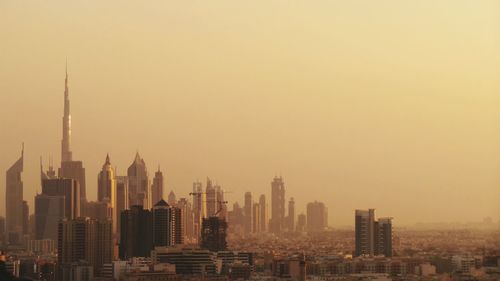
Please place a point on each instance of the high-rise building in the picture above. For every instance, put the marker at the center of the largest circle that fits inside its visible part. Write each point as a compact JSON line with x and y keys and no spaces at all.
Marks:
{"x":383,"y":237}
{"x":171,"y":198}
{"x":26,"y":215}
{"x":256,"y":218}
{"x":162,"y":224}
{"x":157,"y":187}
{"x":136,"y":232}
{"x":211,"y":198}
{"x":49,"y":210}
{"x":213,"y":234}
{"x":2,"y":231}
{"x":69,"y":168}
{"x":199,"y":207}
{"x":263,"y":213}
{"x":14,"y":201}
{"x":365,"y":232}
{"x":179,"y":228}
{"x":291,"y":215}
{"x":248,"y":212}
{"x":187,"y":216}
{"x":121,"y":201}
{"x":317,"y":216}
{"x":277,"y":205}
{"x":70,"y":189}
{"x":106,"y":191}
{"x":138,"y":183}
{"x":236,"y":219}
{"x":301,"y":223}
{"x":221,"y":204}
{"x":85,"y":239}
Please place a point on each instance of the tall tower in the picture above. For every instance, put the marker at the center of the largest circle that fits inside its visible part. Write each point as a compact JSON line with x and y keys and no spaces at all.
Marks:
{"x":14,"y":201}
{"x":66,"y":154}
{"x":106,"y":191}
{"x":291,"y":215}
{"x":69,"y":168}
{"x":277,"y":205}
{"x":365,"y":232}
{"x":263,"y":213}
{"x":248,"y":212}
{"x":138,"y":183}
{"x":211,"y":198}
{"x":157,"y":187}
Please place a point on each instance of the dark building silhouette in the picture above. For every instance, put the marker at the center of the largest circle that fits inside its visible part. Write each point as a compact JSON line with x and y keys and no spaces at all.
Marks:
{"x":136,"y":233}
{"x":70,"y":189}
{"x":14,"y":201}
{"x":85,"y":239}
{"x":372,"y":237}
{"x":213,"y":234}
{"x":163,"y":228}
{"x":278,"y":220}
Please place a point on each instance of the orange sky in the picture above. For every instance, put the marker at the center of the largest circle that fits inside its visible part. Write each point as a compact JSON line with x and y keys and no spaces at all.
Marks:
{"x":393,"y":105}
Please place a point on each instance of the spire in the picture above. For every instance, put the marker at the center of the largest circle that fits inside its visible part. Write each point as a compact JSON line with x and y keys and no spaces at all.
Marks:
{"x":66,"y":154}
{"x":107,"y":159}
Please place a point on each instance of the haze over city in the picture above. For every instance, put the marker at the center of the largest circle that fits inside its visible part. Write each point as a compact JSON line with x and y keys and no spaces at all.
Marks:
{"x":358,"y":108}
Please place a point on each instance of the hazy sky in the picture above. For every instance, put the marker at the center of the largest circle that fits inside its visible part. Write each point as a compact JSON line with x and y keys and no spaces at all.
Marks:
{"x":393,"y":105}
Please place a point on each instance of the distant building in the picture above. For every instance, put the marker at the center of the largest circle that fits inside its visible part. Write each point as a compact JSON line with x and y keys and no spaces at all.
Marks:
{"x":211,"y":198}
{"x":186,"y":261}
{"x":163,"y":228}
{"x":70,"y":169}
{"x":157,"y":187}
{"x":256,"y":218}
{"x":277,"y":205}
{"x":263,"y":212}
{"x":317,"y":216}
{"x":291,"y":215}
{"x":187,"y":218}
{"x":49,"y":210}
{"x":248,"y":208}
{"x":14,"y":201}
{"x":199,"y":207}
{"x":106,"y":191}
{"x":121,"y":201}
{"x":69,"y":189}
{"x":138,"y":183}
{"x":213,"y":236}
{"x":26,"y":215}
{"x":301,"y":223}
{"x":136,"y":233}
{"x":372,"y":237}
{"x":172,"y":200}
{"x":84,"y":239}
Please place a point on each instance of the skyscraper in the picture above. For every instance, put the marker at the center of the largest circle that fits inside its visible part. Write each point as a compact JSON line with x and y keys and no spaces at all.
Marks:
{"x":263,"y":213}
{"x":221,"y":206}
{"x":162,"y":224}
{"x":14,"y":201}
{"x":213,"y":234}
{"x":85,"y":239}
{"x":199,"y":207}
{"x":211,"y":198}
{"x":383,"y":237}
{"x":136,"y":232}
{"x":69,"y":189}
{"x":138,"y":183}
{"x":256,"y":218}
{"x":26,"y":214}
{"x":248,"y":212}
{"x":106,"y":191}
{"x":317,"y":216}
{"x":187,"y":216}
{"x":291,"y":215}
{"x":301,"y":223}
{"x":157,"y":187}
{"x":277,"y":205}
{"x":365,"y":232}
{"x":69,"y":168}
{"x":171,"y":198}
{"x":121,"y":201}
{"x":49,"y":210}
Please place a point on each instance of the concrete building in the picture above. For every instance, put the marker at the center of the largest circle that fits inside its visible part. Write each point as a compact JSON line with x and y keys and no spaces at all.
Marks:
{"x":248,"y":209}
{"x":291,"y":215}
{"x":372,"y":237}
{"x":263,"y":212}
{"x":277,"y":205}
{"x":213,"y":234}
{"x":121,"y":201}
{"x":138,"y":183}
{"x":106,"y":191}
{"x":317,"y":216}
{"x":14,"y":201}
{"x":136,"y":233}
{"x":157,"y":187}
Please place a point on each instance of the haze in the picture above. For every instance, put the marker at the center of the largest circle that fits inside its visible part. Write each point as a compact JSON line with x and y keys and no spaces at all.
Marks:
{"x":393,"y":105}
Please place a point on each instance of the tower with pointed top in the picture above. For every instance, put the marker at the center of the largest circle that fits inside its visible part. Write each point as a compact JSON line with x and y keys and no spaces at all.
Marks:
{"x":106,"y":191}
{"x":157,"y":187}
{"x":66,"y":154}
{"x":69,"y":168}
{"x":14,"y":201}
{"x":138,"y":183}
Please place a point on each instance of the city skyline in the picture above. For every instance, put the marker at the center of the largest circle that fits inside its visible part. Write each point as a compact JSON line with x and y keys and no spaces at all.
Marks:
{"x":441,"y":154}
